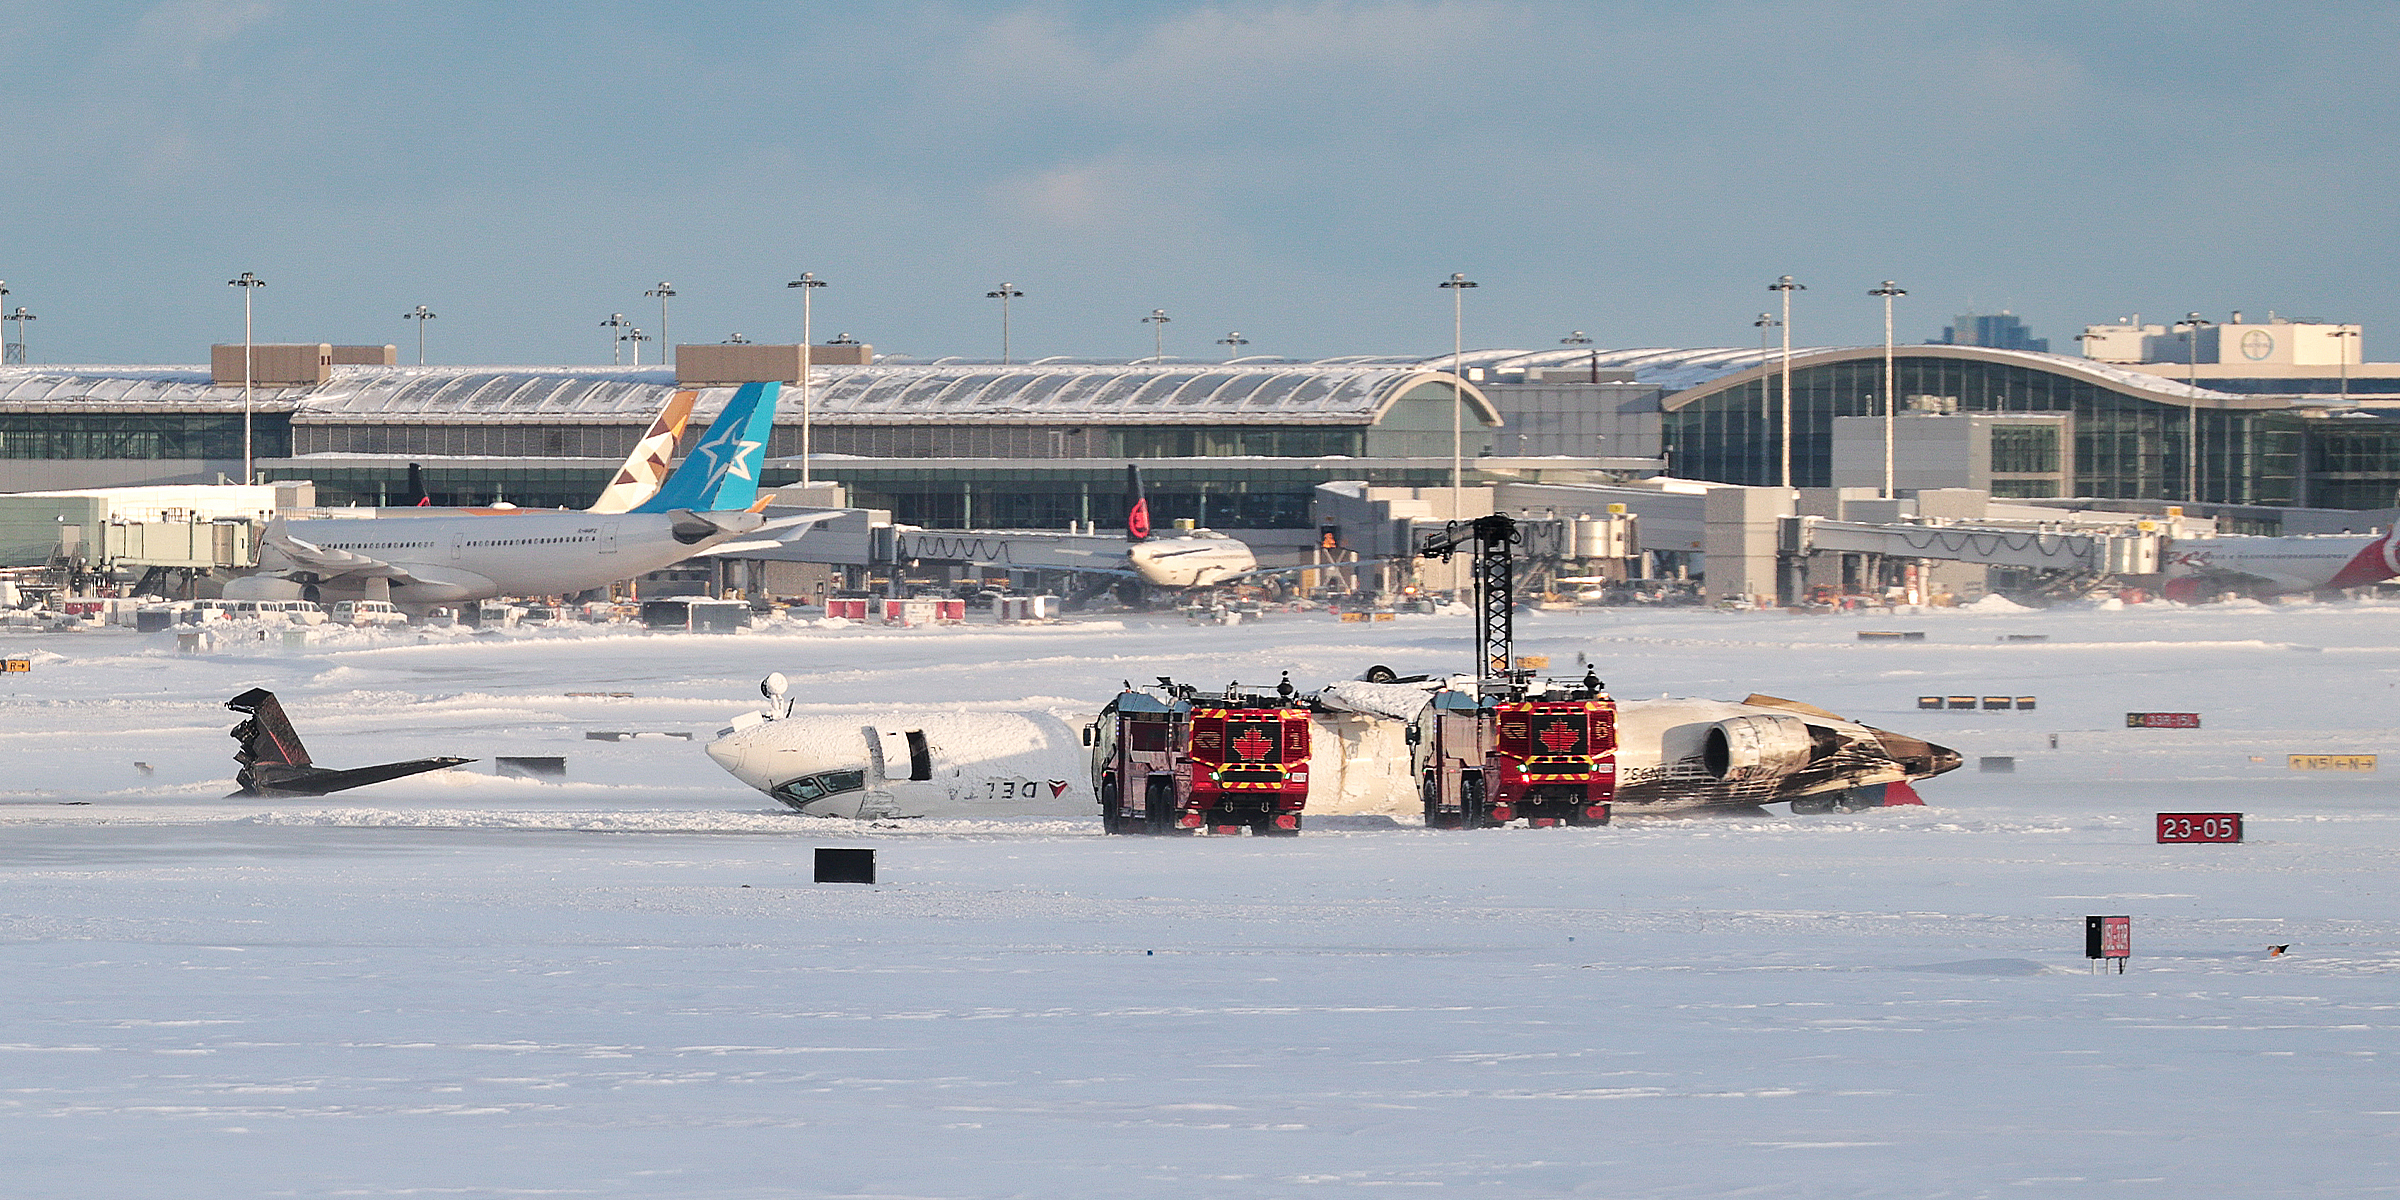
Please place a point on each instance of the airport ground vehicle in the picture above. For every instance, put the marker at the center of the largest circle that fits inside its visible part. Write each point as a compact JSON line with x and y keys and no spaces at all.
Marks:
{"x":368,"y":612}
{"x":1539,"y":752}
{"x":1175,"y":760}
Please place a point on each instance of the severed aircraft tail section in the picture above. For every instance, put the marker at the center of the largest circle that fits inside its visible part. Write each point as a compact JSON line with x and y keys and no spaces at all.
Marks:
{"x":275,"y":763}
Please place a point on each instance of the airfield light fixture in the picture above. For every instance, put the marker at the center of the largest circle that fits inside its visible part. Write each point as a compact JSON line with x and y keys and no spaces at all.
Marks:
{"x":1457,"y":286}
{"x":1786,"y":285}
{"x":1889,"y":291}
{"x":1157,"y":321}
{"x":634,"y":334}
{"x":2341,"y":354}
{"x":1580,"y":338}
{"x":735,"y":339}
{"x":1005,"y":293}
{"x":420,"y":315}
{"x":841,"y":339}
{"x":2191,"y":325}
{"x":1233,"y":343}
{"x":664,"y":291}
{"x":808,"y":283}
{"x":16,"y":351}
{"x":248,"y":283}
{"x":616,"y":343}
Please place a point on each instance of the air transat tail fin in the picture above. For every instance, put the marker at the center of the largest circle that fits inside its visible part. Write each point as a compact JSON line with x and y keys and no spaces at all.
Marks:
{"x":721,"y":473}
{"x":1137,"y":506}
{"x":645,"y":470}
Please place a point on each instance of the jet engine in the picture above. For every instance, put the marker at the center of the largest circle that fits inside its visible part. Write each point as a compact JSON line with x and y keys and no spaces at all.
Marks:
{"x":1739,"y":749}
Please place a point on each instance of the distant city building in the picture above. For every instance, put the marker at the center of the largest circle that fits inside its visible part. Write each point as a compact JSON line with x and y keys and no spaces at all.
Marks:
{"x":2003,"y":330}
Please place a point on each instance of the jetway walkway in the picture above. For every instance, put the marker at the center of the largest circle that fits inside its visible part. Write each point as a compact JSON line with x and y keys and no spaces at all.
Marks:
{"x":2091,"y":553}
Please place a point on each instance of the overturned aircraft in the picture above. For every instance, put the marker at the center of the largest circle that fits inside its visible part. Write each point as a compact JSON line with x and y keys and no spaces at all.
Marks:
{"x":274,"y":763}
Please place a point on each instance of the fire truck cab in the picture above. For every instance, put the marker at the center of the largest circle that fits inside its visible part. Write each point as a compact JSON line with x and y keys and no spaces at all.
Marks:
{"x":1173,"y":760}
{"x":1541,"y":752}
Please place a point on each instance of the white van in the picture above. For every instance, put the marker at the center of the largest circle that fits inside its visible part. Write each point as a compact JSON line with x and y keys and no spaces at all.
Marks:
{"x":368,"y":612}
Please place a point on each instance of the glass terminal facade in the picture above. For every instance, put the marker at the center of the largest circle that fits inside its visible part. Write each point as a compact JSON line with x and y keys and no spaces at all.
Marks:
{"x":2124,"y":447}
{"x":152,"y":435}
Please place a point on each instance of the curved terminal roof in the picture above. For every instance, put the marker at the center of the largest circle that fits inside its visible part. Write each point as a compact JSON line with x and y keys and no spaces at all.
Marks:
{"x":1347,"y":391}
{"x":1690,"y":375}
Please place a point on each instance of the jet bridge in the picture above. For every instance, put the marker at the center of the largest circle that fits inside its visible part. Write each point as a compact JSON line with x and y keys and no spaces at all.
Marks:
{"x":2050,"y":550}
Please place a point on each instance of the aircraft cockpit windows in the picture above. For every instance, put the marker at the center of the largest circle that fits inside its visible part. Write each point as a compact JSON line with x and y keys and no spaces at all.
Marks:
{"x":810,"y":788}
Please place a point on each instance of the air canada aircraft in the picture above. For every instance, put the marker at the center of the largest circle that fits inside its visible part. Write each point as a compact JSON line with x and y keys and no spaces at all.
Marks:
{"x":1671,"y":756}
{"x":2278,"y":566}
{"x":1181,"y":561}
{"x":709,"y":500}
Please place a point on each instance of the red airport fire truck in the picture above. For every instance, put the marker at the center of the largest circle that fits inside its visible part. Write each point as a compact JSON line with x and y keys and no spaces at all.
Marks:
{"x":1174,"y":760}
{"x":1516,"y":746}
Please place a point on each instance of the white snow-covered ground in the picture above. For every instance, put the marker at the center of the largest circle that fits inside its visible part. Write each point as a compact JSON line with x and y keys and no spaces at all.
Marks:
{"x":624,"y":984}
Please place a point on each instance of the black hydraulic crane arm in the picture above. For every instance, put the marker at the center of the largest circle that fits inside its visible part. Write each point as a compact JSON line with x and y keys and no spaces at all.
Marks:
{"x":1495,"y":586}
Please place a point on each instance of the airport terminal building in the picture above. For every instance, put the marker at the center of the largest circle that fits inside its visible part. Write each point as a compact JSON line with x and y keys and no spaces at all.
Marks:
{"x":1240,"y":444}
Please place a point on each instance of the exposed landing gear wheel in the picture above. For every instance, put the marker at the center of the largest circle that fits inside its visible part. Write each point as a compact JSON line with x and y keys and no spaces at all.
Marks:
{"x":1804,"y":806}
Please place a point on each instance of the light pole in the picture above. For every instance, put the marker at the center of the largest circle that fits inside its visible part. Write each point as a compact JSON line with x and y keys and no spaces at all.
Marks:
{"x":1888,"y":291}
{"x":1785,"y":285}
{"x":248,"y":283}
{"x":1233,"y":343}
{"x":2191,"y":326}
{"x":2341,"y":355}
{"x":808,"y":283}
{"x":1157,"y":321}
{"x":20,"y":316}
{"x":1579,"y":338}
{"x":616,"y":342}
{"x":1457,"y":285}
{"x":735,"y":339}
{"x":664,"y":291}
{"x":420,"y":316}
{"x":1006,"y":293}
{"x":634,"y":334}
{"x":841,"y":339}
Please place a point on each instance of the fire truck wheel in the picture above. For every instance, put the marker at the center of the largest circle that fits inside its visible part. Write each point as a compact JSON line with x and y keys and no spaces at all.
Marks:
{"x":1111,"y":820}
{"x":1473,"y":811}
{"x":1158,"y":807}
{"x":1263,"y":825}
{"x":1435,"y":818}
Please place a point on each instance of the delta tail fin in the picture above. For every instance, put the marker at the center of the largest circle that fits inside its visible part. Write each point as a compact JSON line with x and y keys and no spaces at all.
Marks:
{"x":1137,"y":506}
{"x":721,"y":472}
{"x":273,"y":762}
{"x":645,"y":470}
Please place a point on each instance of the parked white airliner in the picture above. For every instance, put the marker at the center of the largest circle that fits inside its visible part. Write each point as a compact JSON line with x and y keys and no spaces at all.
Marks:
{"x":477,"y":555}
{"x":2275,"y":566}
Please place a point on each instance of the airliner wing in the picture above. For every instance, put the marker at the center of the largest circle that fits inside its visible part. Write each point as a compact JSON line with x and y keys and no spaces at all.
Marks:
{"x":298,"y":554}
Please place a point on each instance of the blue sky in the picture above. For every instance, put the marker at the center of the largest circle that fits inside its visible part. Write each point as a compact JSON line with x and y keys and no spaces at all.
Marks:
{"x":1305,"y":173}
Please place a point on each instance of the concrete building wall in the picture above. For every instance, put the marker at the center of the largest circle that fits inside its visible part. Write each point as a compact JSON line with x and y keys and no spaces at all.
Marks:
{"x":304,"y":364}
{"x":720,"y":365}
{"x":1740,"y":542}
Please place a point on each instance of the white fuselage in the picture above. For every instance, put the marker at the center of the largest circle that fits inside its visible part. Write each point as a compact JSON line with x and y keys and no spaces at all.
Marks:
{"x":1193,"y":560}
{"x":2303,"y":563}
{"x":992,"y":764}
{"x":973,"y":764}
{"x":446,"y":560}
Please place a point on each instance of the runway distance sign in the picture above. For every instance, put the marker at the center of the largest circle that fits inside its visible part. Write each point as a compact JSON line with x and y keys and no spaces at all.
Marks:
{"x":2199,"y":827}
{"x":2330,"y":762}
{"x":2162,"y":720}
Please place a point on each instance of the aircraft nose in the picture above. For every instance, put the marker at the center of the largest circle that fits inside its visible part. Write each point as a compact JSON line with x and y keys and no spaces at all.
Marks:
{"x":1920,"y":758}
{"x":732,"y":752}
